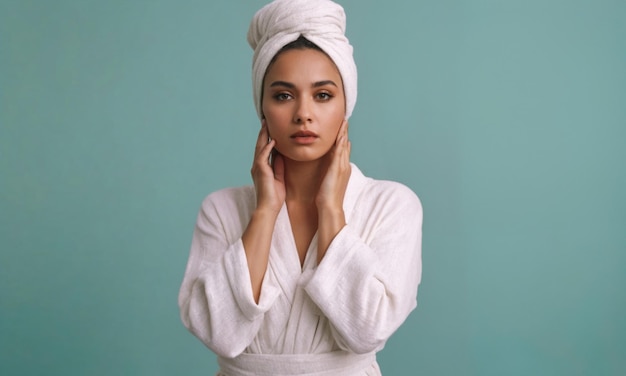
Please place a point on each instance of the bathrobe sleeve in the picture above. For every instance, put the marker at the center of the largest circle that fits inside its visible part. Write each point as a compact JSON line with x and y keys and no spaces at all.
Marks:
{"x":215,"y":300}
{"x":366,"y":284}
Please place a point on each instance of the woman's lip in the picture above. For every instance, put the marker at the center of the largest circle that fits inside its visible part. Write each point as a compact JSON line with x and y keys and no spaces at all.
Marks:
{"x":304,"y":137}
{"x":304,"y":134}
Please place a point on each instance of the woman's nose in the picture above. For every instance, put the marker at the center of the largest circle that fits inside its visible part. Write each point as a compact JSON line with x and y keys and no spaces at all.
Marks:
{"x":303,"y":112}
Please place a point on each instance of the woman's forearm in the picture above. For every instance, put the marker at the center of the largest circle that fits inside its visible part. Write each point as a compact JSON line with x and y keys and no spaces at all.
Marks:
{"x":330,"y":222}
{"x":257,"y":239}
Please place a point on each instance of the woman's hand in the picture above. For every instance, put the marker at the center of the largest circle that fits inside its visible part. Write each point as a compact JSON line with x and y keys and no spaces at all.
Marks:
{"x":269,"y":181}
{"x":334,"y":184}
{"x":269,"y":184}
{"x":329,"y":199}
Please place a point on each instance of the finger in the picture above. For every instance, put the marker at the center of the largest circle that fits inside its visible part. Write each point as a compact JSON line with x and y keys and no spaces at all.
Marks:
{"x":264,"y":154}
{"x":279,"y":167}
{"x":261,"y":160}
{"x":341,"y":142}
{"x":343,"y":132}
{"x":344,"y":127}
{"x":343,"y":149}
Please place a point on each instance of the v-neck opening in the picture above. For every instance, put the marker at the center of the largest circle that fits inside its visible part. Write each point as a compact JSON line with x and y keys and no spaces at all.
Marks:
{"x":311,"y":248}
{"x":294,"y":254}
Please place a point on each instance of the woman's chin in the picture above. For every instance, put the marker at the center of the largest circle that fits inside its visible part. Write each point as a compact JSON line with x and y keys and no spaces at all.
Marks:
{"x":304,"y":157}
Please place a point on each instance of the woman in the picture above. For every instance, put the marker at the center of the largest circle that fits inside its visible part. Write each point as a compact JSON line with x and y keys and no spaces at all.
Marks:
{"x":311,"y":270}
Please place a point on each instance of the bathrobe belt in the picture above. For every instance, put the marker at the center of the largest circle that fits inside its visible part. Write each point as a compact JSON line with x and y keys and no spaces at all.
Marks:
{"x":336,"y":363}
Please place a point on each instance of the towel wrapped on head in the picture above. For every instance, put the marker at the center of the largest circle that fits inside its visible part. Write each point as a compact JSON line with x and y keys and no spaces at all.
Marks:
{"x":322,"y":22}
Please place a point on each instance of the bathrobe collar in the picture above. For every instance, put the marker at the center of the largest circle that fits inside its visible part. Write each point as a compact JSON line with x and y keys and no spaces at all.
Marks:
{"x":283,"y":256}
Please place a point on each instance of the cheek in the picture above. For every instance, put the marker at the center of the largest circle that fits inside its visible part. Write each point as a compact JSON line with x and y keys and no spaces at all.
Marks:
{"x":272,"y":112}
{"x":274,"y":128}
{"x":336,"y":118}
{"x":277,"y":120}
{"x":272,"y":131}
{"x":338,"y":110}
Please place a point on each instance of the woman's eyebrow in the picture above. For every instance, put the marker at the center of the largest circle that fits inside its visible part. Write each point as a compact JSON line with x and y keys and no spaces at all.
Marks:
{"x":292,"y":86}
{"x":324,"y":83}
{"x":283,"y":83}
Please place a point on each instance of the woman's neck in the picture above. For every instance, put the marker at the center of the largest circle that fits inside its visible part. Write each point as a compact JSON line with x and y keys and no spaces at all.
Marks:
{"x":303,"y":179}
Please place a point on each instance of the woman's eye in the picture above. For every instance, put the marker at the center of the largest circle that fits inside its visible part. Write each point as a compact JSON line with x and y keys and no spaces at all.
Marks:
{"x":282,"y":96}
{"x":324,"y":96}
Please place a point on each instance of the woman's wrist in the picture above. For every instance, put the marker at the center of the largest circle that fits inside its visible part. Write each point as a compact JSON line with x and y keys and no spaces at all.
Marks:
{"x":329,"y":209}
{"x":330,"y":221}
{"x":266,"y":213}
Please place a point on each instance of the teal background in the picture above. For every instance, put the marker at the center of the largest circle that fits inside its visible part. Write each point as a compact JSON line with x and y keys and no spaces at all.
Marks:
{"x":508,"y":118}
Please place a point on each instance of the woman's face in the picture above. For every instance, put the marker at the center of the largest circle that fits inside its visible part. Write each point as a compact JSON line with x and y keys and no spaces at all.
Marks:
{"x":303,"y":103}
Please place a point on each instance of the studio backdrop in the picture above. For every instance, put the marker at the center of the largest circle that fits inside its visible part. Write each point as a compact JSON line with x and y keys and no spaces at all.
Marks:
{"x":506,"y":117}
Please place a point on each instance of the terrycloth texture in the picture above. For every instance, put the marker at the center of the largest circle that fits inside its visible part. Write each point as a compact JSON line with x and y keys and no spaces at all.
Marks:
{"x":361,"y":292}
{"x":337,"y":363}
{"x":323,"y":22}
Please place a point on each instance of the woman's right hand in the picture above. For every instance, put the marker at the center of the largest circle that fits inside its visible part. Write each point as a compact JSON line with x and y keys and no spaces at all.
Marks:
{"x":269,"y":181}
{"x":269,"y":184}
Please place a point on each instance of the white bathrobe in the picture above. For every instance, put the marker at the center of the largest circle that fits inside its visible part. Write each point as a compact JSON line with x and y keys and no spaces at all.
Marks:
{"x":326,"y":319}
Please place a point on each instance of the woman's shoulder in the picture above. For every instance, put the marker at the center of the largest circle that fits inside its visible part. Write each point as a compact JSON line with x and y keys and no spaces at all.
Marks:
{"x":394,"y":192}
{"x":390,"y":187}
{"x":385,"y":203}
{"x":391,"y":193}
{"x":232,"y":198}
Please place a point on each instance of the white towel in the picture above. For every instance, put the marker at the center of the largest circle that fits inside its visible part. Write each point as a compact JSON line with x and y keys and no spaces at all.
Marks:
{"x":322,"y":22}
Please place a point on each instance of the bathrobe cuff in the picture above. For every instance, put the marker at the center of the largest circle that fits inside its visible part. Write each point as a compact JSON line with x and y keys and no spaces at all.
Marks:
{"x":238,"y":275}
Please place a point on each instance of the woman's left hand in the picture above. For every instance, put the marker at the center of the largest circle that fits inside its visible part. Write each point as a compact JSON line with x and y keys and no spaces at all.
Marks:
{"x":333,"y":187}
{"x":329,"y":199}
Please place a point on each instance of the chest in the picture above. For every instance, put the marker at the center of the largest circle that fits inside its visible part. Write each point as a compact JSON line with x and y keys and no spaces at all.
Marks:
{"x":303,"y":223}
